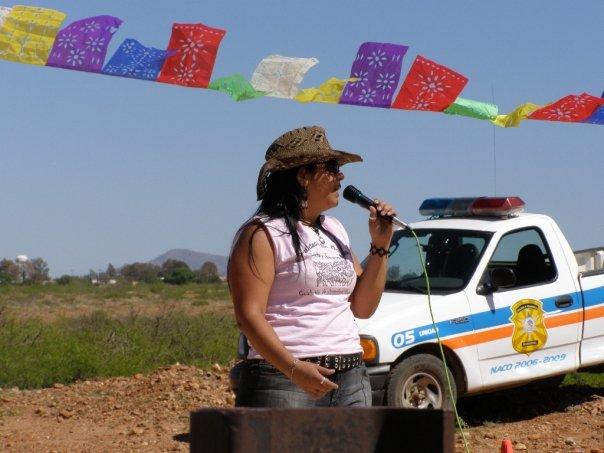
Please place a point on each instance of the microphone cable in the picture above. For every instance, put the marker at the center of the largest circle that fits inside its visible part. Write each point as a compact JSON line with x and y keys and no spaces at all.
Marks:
{"x":354,"y":195}
{"x":440,"y":346}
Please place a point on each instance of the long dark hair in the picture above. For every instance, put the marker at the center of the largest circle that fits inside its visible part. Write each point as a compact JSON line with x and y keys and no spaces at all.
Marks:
{"x":282,"y":199}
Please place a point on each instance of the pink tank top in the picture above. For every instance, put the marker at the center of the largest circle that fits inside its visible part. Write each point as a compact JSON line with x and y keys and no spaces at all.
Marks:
{"x":308,"y":303}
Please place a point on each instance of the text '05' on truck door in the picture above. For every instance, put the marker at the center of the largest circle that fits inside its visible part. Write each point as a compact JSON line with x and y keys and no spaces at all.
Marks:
{"x":524,"y":279}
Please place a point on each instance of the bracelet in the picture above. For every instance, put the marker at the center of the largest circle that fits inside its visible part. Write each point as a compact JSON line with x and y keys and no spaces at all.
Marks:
{"x":292,"y":369}
{"x":378,"y":250}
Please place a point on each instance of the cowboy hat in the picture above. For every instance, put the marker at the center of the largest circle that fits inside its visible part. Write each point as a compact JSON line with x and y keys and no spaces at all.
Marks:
{"x":298,"y":147}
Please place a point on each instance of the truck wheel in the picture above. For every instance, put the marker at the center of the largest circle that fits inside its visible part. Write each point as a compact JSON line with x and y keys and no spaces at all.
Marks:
{"x":419,"y":382}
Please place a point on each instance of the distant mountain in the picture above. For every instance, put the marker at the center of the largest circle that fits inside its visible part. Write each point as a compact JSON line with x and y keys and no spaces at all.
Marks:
{"x":193,"y":259}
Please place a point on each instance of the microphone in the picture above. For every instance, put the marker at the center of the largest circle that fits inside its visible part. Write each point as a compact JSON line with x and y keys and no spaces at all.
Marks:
{"x":354,"y":195}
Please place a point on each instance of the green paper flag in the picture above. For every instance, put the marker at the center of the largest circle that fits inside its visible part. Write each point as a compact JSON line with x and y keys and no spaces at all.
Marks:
{"x":237,"y":87}
{"x":473,"y":109}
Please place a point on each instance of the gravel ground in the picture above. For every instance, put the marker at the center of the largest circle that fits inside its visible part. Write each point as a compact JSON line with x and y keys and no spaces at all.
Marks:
{"x":536,"y":418}
{"x":151,"y":413}
{"x":139,"y":413}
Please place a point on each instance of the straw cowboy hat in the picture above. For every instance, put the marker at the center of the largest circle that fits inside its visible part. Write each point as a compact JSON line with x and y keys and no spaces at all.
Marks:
{"x":298,"y":147}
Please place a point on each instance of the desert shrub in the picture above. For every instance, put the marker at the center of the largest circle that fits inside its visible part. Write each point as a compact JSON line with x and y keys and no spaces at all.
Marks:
{"x":34,"y":354}
{"x":179,"y":276}
{"x":64,"y":280}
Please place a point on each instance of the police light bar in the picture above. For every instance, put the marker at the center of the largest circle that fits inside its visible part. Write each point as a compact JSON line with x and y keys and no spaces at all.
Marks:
{"x":476,"y":206}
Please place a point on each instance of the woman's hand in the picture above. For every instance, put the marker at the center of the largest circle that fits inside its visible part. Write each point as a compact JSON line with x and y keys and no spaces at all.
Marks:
{"x":380,"y":228}
{"x":312,"y":378}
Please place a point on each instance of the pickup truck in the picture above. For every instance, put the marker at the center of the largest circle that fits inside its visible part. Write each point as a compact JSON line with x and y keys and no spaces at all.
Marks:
{"x":512,"y":303}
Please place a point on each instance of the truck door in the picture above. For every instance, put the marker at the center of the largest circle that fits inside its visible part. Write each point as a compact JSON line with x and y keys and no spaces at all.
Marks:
{"x":531,"y":328}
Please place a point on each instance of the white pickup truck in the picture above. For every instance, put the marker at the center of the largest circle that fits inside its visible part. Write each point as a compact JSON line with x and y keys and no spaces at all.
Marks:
{"x":511,"y":300}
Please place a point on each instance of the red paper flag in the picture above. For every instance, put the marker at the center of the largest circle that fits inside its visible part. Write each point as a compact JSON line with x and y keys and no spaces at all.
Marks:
{"x":429,"y":86}
{"x":195,"y":47}
{"x":570,"y":109}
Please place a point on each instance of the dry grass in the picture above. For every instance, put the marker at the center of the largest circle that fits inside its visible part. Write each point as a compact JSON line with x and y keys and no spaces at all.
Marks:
{"x":51,"y":334}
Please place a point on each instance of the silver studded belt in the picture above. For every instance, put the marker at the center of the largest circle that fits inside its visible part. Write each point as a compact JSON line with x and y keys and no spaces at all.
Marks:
{"x":337,"y":362}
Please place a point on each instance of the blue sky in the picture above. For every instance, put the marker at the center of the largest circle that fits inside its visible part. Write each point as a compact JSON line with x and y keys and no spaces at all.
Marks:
{"x":98,"y":169}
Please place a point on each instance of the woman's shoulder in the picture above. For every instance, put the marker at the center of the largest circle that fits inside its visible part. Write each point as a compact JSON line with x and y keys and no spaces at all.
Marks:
{"x":252,"y":234}
{"x":275,"y":226}
{"x":271,"y":227}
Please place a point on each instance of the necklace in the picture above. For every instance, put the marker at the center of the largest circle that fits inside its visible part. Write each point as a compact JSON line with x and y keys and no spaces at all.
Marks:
{"x":316,"y":228}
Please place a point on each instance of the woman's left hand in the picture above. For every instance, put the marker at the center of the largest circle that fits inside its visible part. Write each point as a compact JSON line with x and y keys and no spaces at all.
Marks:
{"x":380,"y":228}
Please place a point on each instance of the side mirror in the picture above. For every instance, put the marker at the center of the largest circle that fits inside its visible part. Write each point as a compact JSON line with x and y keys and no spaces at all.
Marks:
{"x":484,"y":289}
{"x":501,"y":277}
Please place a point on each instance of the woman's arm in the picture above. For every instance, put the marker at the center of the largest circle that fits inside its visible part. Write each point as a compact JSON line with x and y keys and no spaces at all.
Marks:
{"x":370,"y":282}
{"x":250,"y":281}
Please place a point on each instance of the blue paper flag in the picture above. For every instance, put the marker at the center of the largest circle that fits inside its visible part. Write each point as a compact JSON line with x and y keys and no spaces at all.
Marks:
{"x":136,"y":61}
{"x":597,"y":117}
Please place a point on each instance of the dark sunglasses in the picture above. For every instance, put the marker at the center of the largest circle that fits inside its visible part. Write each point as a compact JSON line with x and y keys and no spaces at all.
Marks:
{"x":332,"y":167}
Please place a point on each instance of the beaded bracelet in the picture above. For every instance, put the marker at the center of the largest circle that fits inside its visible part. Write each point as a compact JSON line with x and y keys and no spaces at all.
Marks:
{"x":292,"y":369}
{"x":378,"y":250}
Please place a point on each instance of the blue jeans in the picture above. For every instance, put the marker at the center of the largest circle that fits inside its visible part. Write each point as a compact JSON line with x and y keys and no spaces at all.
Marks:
{"x":263,"y":385}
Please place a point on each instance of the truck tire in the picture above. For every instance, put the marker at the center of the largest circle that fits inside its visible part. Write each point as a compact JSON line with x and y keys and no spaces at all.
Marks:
{"x":419,"y":382}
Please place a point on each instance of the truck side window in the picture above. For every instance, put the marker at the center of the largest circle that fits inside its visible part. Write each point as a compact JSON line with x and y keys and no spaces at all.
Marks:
{"x":450,"y":256}
{"x":526,"y":253}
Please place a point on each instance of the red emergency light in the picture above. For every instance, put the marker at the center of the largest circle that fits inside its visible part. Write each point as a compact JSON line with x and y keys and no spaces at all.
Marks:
{"x":497,"y":206}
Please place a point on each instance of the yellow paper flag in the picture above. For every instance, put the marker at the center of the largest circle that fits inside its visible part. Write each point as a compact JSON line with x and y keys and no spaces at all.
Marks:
{"x":28,"y":33}
{"x":514,"y":118}
{"x":329,"y":92}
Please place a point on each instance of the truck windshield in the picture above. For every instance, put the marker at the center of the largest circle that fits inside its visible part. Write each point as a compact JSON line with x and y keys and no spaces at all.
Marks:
{"x":451,"y":256}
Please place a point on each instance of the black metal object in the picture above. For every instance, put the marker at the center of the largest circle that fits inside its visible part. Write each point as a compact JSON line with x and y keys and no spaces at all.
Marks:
{"x":378,"y":381}
{"x":378,"y":388}
{"x":378,"y":397}
{"x":349,"y":430}
{"x":564,"y":301}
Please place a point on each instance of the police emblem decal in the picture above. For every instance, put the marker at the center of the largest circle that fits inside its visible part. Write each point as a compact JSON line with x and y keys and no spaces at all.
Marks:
{"x":530,"y":333}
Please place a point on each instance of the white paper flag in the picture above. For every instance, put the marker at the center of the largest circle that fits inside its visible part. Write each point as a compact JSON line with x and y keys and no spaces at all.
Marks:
{"x":280,"y":76}
{"x":3,"y":13}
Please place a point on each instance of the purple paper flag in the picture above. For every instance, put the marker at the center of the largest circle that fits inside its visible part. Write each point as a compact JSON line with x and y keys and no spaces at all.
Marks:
{"x":82,"y":45}
{"x":377,"y":67}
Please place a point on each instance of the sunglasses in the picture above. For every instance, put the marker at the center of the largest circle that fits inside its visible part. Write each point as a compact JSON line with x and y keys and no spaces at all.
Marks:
{"x":332,"y":167}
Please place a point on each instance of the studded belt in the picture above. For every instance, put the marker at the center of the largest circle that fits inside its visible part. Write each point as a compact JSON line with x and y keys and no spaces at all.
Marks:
{"x":337,"y":362}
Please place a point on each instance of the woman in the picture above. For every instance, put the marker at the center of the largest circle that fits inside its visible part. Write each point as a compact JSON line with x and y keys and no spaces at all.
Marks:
{"x":296,"y":285}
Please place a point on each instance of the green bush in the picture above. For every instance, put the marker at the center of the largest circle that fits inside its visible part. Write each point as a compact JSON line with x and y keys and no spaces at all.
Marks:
{"x":34,"y":354}
{"x":179,"y":276}
{"x":590,"y":378}
{"x":64,"y":280}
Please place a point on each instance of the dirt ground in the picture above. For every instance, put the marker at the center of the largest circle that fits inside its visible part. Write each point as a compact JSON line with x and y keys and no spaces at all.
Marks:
{"x":151,"y":413}
{"x":536,"y":417}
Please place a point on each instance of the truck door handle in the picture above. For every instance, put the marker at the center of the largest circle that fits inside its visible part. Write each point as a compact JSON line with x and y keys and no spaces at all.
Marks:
{"x":564,"y":301}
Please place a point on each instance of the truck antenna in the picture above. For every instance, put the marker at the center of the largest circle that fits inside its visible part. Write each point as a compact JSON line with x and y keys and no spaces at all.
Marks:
{"x":494,"y":148}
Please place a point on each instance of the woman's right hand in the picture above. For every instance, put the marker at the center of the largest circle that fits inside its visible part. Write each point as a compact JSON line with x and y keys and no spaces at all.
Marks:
{"x":313,"y":379}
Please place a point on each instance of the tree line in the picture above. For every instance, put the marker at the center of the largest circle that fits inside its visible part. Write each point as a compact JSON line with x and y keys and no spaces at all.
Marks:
{"x":35,"y":271}
{"x":174,"y":272}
